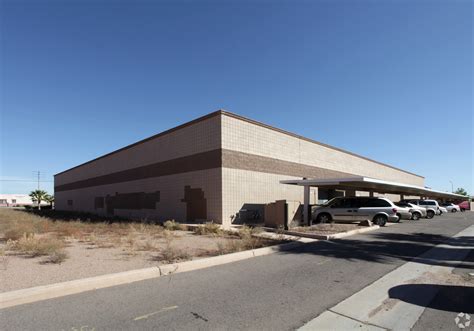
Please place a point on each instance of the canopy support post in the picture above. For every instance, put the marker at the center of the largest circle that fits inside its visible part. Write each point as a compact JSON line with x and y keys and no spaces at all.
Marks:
{"x":306,"y":218}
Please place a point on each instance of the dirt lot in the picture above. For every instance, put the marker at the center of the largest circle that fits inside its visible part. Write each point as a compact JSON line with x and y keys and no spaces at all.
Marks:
{"x":53,"y":247}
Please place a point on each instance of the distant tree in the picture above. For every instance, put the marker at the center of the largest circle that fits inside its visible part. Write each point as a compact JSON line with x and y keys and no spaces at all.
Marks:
{"x":461,"y":191}
{"x":38,"y":196}
{"x":49,"y":199}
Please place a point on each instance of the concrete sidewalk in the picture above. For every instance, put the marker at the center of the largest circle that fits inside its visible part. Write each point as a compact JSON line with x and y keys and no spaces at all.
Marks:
{"x":397,"y":300}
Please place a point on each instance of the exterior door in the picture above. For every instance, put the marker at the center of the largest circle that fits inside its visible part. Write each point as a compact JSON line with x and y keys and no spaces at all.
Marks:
{"x":196,"y":204}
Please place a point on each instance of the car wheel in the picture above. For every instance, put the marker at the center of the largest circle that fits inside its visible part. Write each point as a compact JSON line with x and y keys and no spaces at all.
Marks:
{"x":415,"y":216}
{"x":454,"y":210}
{"x":323,"y":218}
{"x":430,"y":214}
{"x":380,"y":220}
{"x":399,"y":218}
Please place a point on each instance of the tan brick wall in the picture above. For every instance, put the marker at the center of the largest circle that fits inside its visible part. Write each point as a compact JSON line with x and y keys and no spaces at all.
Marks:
{"x":199,"y":137}
{"x":196,"y":138}
{"x":243,"y":136}
{"x":257,"y":181}
{"x":241,"y":187}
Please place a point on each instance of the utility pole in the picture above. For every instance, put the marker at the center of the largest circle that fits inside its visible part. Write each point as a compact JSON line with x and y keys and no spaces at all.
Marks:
{"x":452,"y":187}
{"x":38,"y":176}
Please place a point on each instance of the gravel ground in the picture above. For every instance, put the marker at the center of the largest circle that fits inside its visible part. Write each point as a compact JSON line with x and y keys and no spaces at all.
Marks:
{"x":85,"y":260}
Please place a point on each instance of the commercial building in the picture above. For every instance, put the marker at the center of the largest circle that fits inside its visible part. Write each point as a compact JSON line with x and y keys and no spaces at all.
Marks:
{"x":220,"y":167}
{"x":17,"y":200}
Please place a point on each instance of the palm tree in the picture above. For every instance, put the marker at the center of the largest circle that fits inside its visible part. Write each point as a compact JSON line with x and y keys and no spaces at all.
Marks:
{"x":38,"y":196}
{"x":49,"y":199}
{"x":461,"y":191}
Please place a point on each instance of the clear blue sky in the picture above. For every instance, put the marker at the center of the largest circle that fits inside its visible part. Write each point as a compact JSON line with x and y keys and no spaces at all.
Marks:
{"x":390,"y":80}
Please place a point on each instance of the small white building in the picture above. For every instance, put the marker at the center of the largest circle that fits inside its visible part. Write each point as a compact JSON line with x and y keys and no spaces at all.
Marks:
{"x":14,"y":200}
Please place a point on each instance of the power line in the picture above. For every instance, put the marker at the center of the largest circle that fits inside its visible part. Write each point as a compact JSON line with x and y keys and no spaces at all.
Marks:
{"x":38,"y":174}
{"x":26,"y":180}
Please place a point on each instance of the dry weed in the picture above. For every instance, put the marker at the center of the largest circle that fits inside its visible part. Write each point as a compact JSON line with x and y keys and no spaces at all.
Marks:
{"x":209,"y":228}
{"x":32,"y":246}
{"x":238,"y":245}
{"x":16,"y":223}
{"x":57,"y":257}
{"x":169,"y":253}
{"x":149,"y":245}
{"x":130,"y":239}
{"x":4,"y":258}
{"x":172,"y":225}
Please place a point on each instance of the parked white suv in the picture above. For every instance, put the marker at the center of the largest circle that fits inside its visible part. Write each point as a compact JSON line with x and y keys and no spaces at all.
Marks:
{"x":432,"y":207}
{"x":356,"y":209}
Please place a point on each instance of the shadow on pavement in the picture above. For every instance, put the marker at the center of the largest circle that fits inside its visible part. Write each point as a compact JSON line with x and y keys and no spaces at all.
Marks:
{"x":449,"y":298}
{"x":382,"y":247}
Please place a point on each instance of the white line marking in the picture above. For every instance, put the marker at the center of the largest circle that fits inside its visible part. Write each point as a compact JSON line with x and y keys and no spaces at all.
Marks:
{"x":154,"y":313}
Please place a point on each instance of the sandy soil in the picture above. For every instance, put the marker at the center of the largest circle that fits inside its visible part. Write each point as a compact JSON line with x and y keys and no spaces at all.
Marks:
{"x":86,"y":260}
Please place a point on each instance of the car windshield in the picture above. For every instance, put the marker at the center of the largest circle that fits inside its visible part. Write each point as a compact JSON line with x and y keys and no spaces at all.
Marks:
{"x":327,"y":203}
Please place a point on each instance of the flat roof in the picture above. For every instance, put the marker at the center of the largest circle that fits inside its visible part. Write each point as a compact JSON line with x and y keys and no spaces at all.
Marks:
{"x":360,"y":183}
{"x":242,"y":118}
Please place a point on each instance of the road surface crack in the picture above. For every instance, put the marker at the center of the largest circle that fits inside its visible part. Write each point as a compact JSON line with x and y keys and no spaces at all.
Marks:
{"x":197,"y":316}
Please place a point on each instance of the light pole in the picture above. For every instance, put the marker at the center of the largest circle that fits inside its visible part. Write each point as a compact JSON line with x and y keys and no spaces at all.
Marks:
{"x":452,"y":187}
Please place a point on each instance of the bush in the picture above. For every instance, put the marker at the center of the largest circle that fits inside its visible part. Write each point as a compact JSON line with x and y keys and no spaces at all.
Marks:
{"x":17,"y":232}
{"x":208,"y":228}
{"x":172,"y":225}
{"x":4,"y":258}
{"x":238,"y":245}
{"x":56,"y":257}
{"x":68,"y":229}
{"x":32,"y":246}
{"x":252,"y":242}
{"x":148,"y":245}
{"x":171,"y":254}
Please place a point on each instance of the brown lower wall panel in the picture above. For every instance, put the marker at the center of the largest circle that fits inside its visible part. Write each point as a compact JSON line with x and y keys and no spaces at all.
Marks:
{"x":244,"y":161}
{"x":207,"y":160}
{"x":133,"y":201}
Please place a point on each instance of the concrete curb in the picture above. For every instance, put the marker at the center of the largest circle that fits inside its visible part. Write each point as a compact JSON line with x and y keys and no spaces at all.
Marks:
{"x":326,"y":237}
{"x":39,"y":293}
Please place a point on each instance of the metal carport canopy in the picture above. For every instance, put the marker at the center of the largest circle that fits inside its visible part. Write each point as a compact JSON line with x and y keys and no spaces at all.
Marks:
{"x":360,"y":183}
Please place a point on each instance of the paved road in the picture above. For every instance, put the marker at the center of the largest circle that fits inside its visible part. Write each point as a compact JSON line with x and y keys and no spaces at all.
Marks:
{"x":280,"y":291}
